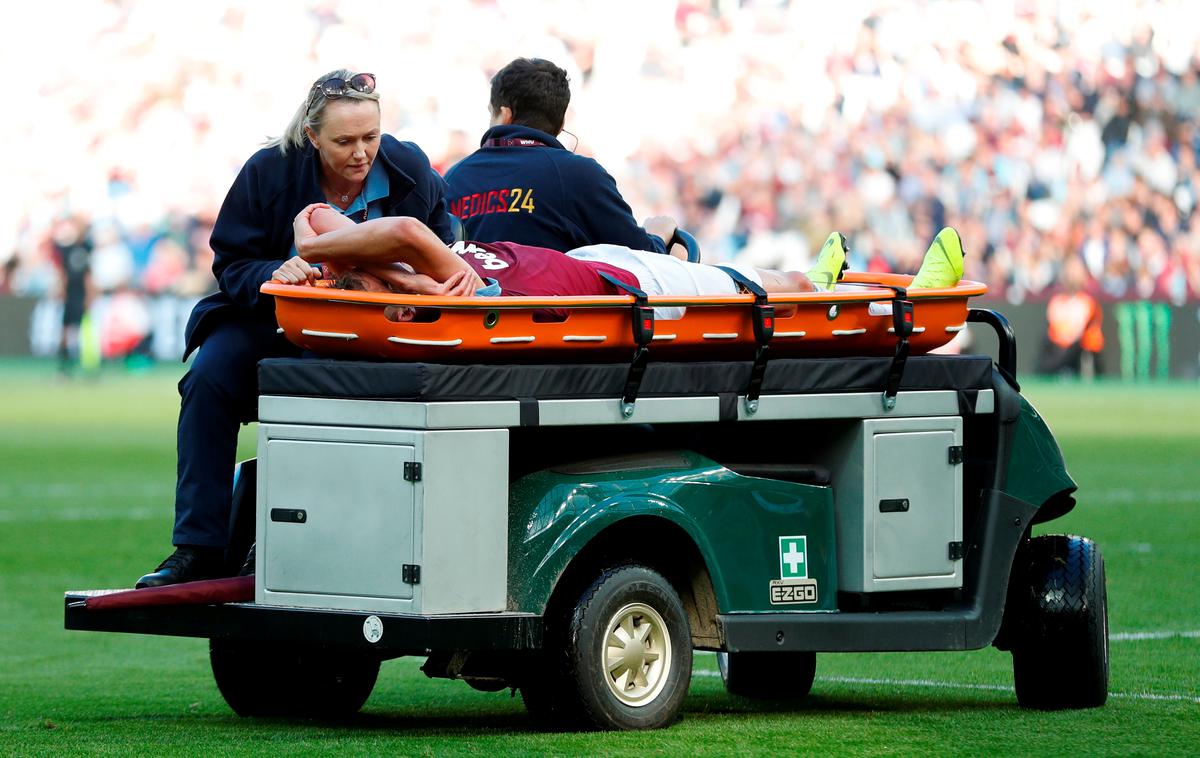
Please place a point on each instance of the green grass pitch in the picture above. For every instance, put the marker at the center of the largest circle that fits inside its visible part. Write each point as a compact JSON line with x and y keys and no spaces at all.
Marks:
{"x":86,"y":484}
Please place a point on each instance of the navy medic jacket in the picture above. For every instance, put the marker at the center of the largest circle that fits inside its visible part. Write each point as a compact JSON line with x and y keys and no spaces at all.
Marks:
{"x":523,"y":186}
{"x":253,"y":233}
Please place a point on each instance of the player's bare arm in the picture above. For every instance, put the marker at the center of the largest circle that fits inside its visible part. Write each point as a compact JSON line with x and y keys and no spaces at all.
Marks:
{"x":325,"y":236}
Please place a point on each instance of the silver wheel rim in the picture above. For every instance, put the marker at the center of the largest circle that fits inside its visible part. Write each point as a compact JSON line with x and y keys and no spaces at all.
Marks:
{"x":636,"y":654}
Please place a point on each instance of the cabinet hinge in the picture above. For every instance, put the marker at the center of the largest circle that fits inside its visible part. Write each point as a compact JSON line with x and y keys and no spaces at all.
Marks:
{"x":412,"y":471}
{"x":410,"y":573}
{"x":956,"y":454}
{"x":956,"y":551}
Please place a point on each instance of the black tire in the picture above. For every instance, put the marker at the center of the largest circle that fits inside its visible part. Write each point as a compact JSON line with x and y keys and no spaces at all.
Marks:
{"x":1060,"y":654}
{"x":274,"y":679}
{"x":774,"y":676}
{"x":542,"y":696}
{"x":643,"y":691}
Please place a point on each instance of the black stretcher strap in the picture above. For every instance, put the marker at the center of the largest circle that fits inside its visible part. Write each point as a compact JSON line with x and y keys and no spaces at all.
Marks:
{"x":727,"y":406}
{"x":902,"y":323}
{"x":530,"y":411}
{"x":762,"y":315}
{"x":643,"y":333}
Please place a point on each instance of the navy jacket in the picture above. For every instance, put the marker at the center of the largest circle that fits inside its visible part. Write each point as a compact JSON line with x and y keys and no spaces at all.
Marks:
{"x":253,"y":232}
{"x":542,"y":195}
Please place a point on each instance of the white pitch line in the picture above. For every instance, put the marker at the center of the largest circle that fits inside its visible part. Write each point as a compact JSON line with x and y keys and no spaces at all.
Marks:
{"x":57,"y":501}
{"x":1129,"y":496}
{"x":1163,"y":635}
{"x":34,"y":516}
{"x":76,"y":490}
{"x":934,"y":684}
{"x":930,"y":683}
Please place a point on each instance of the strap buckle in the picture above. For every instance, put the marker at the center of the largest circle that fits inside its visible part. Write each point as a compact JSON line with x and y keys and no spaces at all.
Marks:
{"x":902,"y":324}
{"x":643,"y":324}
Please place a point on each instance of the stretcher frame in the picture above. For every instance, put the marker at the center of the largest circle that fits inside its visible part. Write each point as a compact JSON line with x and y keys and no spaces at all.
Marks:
{"x":856,"y":319}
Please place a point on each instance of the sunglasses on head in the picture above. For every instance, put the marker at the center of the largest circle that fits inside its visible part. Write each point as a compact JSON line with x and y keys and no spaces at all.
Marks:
{"x":335,"y":86}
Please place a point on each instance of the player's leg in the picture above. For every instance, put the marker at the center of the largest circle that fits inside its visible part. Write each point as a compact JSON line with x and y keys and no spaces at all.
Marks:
{"x":822,"y":277}
{"x":830,"y":264}
{"x":943,"y":264}
{"x":785,"y":281}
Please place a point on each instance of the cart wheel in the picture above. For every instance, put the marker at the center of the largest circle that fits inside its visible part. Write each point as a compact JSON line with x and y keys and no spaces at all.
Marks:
{"x":624,"y":657}
{"x":1060,"y":655}
{"x":775,"y":676}
{"x":272,"y":679}
{"x":543,"y":697}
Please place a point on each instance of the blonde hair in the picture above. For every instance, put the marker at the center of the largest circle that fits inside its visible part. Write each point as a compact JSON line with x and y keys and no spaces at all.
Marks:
{"x":308,"y":115}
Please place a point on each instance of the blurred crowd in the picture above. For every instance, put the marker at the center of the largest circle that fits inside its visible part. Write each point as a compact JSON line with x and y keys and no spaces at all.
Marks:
{"x":1044,"y":131}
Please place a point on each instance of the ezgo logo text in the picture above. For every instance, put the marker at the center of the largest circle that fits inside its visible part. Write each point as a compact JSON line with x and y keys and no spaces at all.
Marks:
{"x":793,"y":586}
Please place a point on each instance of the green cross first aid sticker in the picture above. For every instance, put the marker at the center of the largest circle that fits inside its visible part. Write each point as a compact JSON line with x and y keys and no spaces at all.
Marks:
{"x":793,"y":557}
{"x":793,"y":585}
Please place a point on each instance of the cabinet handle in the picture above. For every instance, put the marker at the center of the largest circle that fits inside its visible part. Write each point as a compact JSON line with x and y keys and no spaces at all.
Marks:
{"x":899,"y":505}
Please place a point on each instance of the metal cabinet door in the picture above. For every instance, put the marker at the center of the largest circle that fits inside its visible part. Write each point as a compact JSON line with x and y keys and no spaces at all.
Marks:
{"x":913,"y":467}
{"x":339,"y":519}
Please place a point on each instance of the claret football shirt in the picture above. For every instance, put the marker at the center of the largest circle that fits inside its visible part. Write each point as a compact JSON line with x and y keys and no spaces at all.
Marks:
{"x":539,"y":271}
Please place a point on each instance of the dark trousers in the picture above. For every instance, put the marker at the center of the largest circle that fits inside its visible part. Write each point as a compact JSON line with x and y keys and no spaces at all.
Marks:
{"x":1055,"y":359}
{"x":218,"y":393}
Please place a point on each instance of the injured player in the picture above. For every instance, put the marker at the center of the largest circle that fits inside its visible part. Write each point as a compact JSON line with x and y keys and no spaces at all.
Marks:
{"x":400,"y":254}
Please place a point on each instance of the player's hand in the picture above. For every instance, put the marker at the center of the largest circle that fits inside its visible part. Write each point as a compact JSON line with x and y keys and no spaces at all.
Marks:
{"x":661,"y":226}
{"x":295,"y":271}
{"x":460,"y":284}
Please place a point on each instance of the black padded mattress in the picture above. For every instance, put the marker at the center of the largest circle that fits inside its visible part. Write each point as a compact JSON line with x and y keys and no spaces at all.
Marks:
{"x":434,"y":382}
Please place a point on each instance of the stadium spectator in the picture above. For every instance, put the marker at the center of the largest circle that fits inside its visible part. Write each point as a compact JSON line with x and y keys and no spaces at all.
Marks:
{"x":332,"y":151}
{"x":7,"y":274}
{"x":1074,"y":335}
{"x":522,"y":185}
{"x":758,"y":126}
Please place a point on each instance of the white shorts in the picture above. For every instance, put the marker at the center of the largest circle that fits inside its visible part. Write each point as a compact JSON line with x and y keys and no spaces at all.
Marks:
{"x":660,"y":274}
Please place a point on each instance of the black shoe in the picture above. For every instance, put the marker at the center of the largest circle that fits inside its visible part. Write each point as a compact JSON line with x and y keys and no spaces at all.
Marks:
{"x":186,"y":564}
{"x":248,"y":566}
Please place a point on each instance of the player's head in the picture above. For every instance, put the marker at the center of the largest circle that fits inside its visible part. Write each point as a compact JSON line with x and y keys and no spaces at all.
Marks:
{"x":1074,"y":274}
{"x":355,"y":279}
{"x":531,"y":92}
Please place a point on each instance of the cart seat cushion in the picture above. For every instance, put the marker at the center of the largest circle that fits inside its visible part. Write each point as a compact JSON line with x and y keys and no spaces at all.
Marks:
{"x":433,"y":382}
{"x":235,"y":589}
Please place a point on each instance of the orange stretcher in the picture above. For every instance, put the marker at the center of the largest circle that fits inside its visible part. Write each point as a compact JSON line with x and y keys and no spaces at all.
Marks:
{"x":854,"y":320}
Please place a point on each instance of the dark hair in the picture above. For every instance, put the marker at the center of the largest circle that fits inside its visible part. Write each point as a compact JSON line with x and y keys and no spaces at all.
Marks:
{"x":536,"y":91}
{"x":350,"y":280}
